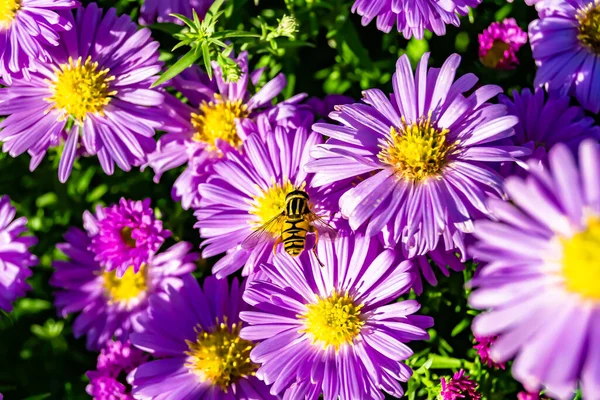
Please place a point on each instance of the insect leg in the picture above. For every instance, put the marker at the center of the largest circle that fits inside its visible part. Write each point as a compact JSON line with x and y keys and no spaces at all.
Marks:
{"x":314,"y":249}
{"x":275,"y":245}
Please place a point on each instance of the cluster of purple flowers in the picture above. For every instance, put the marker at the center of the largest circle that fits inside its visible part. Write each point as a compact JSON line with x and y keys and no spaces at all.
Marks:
{"x":418,"y":178}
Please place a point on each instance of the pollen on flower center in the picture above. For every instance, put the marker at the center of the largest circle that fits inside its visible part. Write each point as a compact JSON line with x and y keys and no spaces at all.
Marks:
{"x":581,"y":261}
{"x":126,"y":288}
{"x":8,"y":12}
{"x":495,"y":54}
{"x":81,"y":88}
{"x":216,"y":120}
{"x":334,"y":320}
{"x":270,"y":204}
{"x":416,"y":151}
{"x":589,"y":26}
{"x":220,"y":357}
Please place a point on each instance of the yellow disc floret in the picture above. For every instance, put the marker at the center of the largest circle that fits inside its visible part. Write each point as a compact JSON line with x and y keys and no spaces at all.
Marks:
{"x":270,"y":204}
{"x":220,"y":357}
{"x":80,"y":88}
{"x":416,"y":151}
{"x":333,"y":321}
{"x":495,"y":54}
{"x":589,"y":26}
{"x":216,"y":120}
{"x":8,"y":12}
{"x":127,"y":288}
{"x":581,"y":261}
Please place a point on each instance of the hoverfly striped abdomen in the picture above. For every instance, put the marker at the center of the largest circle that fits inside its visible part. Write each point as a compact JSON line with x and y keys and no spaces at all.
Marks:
{"x":295,"y":225}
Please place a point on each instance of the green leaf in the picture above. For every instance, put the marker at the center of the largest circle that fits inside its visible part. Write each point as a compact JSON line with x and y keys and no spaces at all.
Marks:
{"x":461,"y":326}
{"x":183,"y":63}
{"x":184,"y":19}
{"x":206,"y":56}
{"x":442,"y":362}
{"x":39,"y":396}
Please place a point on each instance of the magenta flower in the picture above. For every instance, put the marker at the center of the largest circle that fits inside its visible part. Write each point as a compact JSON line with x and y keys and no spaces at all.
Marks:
{"x":27,"y":29}
{"x":193,"y":334}
{"x":15,"y":256}
{"x":426,"y":154}
{"x":499,"y":44}
{"x":482,"y":345}
{"x":460,"y":386}
{"x":161,"y":10}
{"x":124,"y":235}
{"x":540,"y":284}
{"x":216,"y":121}
{"x":116,"y":359}
{"x":110,"y":306}
{"x":92,"y":94}
{"x":566,"y":47}
{"x":412,"y":17}
{"x":336,"y":330}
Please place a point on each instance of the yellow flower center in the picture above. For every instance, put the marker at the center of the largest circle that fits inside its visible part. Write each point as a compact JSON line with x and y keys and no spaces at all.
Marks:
{"x":589,"y":26}
{"x":126,"y":288}
{"x":216,"y":120}
{"x":270,"y":204}
{"x":80,"y":88}
{"x":581,"y":261}
{"x":8,"y":12}
{"x":495,"y":54}
{"x":333,"y":321}
{"x":416,"y":151}
{"x":220,"y":357}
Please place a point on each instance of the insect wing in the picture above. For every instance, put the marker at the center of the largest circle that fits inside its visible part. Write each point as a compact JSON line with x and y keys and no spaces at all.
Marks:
{"x":325,"y":230}
{"x":262,"y":234}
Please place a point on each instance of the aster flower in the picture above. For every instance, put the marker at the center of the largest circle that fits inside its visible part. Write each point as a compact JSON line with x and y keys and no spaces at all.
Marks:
{"x":161,"y":10}
{"x":15,"y":257}
{"x":426,"y":154}
{"x":214,"y":122}
{"x":566,"y":47}
{"x":540,"y":283}
{"x":442,"y":259}
{"x":193,"y":334}
{"x":413,"y":17}
{"x":482,"y":345}
{"x":92,"y":93}
{"x":248,"y":190}
{"x":21,"y":46}
{"x":499,"y":44}
{"x":110,"y":306}
{"x":115,"y":359}
{"x":460,"y":386}
{"x":124,"y":235}
{"x":530,"y":396}
{"x":331,"y":329}
{"x":544,"y":122}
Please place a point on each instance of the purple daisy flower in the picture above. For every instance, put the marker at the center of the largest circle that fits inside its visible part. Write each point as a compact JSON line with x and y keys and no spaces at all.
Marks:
{"x":540,"y":285}
{"x":566,"y":47}
{"x":482,"y":345}
{"x":110,"y":306}
{"x":27,"y":28}
{"x":499,"y":44}
{"x":193,"y":334}
{"x":413,"y":17}
{"x":215,"y":122}
{"x":442,"y":259}
{"x":331,"y":330}
{"x":161,"y":10}
{"x":460,"y":386}
{"x":544,"y":122}
{"x":248,"y":190}
{"x":15,"y":257}
{"x":427,"y":153}
{"x":124,"y":235}
{"x":93,"y":94}
{"x":115,"y":359}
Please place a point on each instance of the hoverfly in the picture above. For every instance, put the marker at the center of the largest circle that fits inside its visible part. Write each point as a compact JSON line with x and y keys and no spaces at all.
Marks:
{"x":296,"y":220}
